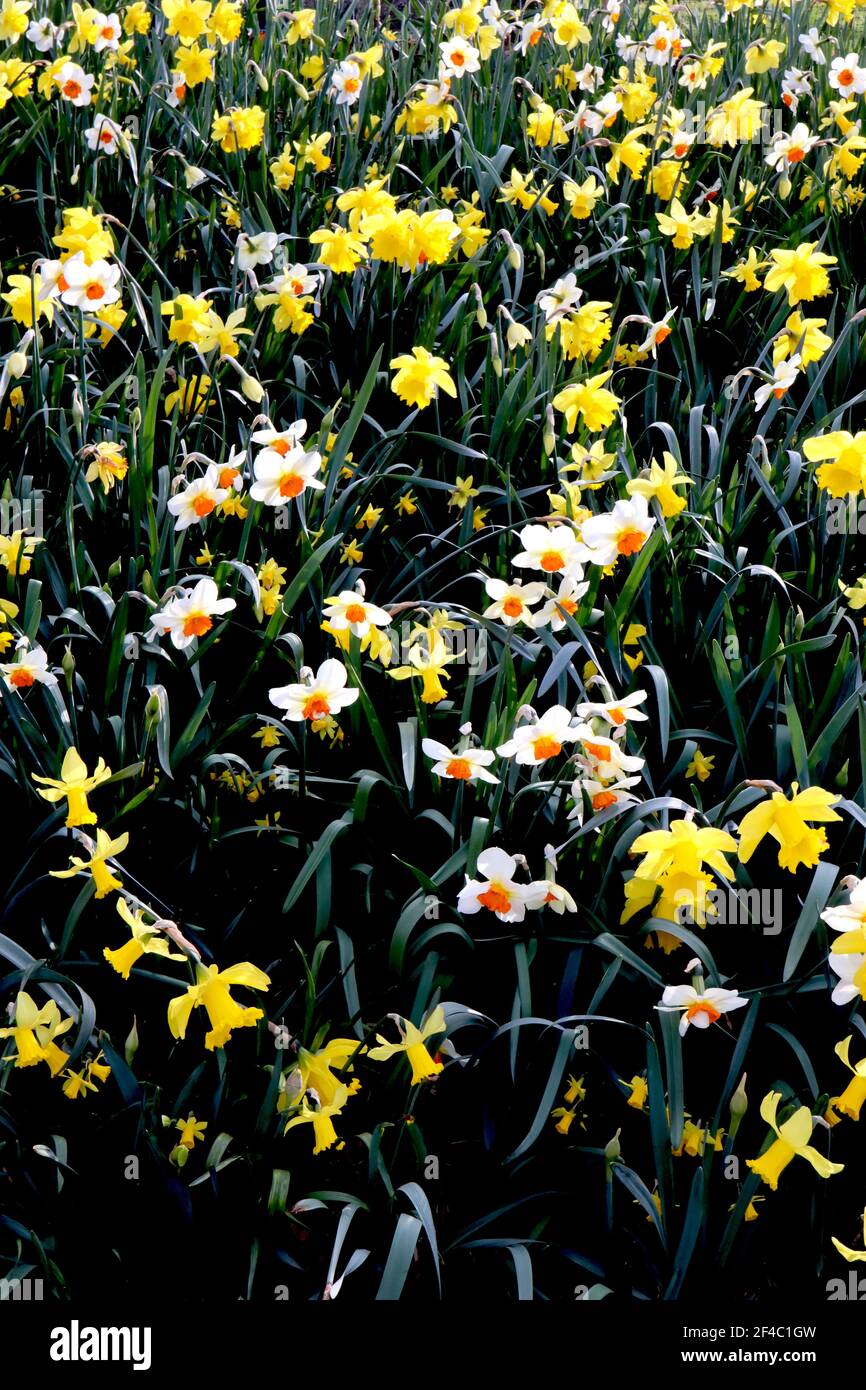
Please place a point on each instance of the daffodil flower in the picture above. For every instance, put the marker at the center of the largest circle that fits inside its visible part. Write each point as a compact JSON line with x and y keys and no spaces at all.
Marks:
{"x":145,"y":940}
{"x":75,"y":783}
{"x":413,"y":1043}
{"x":791,"y":1141}
{"x":191,"y":1130}
{"x":104,"y":880}
{"x":322,"y":1120}
{"x":211,"y":992}
{"x":427,"y":661}
{"x":699,"y":1007}
{"x":850,"y":920}
{"x":785,"y":820}
{"x":497,"y":890}
{"x":314,"y":1073}
{"x":852,"y":1256}
{"x":853,"y":1096}
{"x":34,"y":1031}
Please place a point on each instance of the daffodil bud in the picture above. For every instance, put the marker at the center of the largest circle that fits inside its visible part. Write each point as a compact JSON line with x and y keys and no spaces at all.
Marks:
{"x":115,"y":569}
{"x":152,"y":711}
{"x":799,"y":624}
{"x":261,"y":80}
{"x":193,"y":176}
{"x":495,"y":359}
{"x":515,"y":255}
{"x":179,"y":1155}
{"x":841,"y":778}
{"x":68,"y":665}
{"x":542,"y":259}
{"x":77,"y":409}
{"x":74,"y":176}
{"x":252,"y":389}
{"x":548,"y":438}
{"x":17,"y":362}
{"x":301,"y":91}
{"x":612,"y":1151}
{"x":739,"y":1104}
{"x":130,"y":1047}
{"x":480,"y":312}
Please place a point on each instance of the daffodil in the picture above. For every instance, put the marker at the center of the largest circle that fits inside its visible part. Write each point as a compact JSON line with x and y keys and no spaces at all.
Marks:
{"x":852,"y":1256}
{"x":699,"y":1007}
{"x":701,"y":765}
{"x":321,"y":1117}
{"x":212,"y":993}
{"x":785,"y":819}
{"x":314,"y":1072}
{"x":146,"y":939}
{"x":427,"y":662}
{"x":105,"y":848}
{"x":852,"y":1098}
{"x":419,"y":376}
{"x":74,"y":784}
{"x":658,"y":484}
{"x":843,"y":459}
{"x":801,"y":271}
{"x":191,"y":1130}
{"x":34,"y":1031}
{"x":791,"y":1141}
{"x":413,"y":1042}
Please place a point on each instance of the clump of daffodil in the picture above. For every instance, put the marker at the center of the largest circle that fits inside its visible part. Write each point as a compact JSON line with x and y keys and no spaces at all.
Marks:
{"x":78,"y":1083}
{"x":785,"y":819}
{"x":74,"y":784}
{"x":674,"y":860}
{"x":575,"y":1093}
{"x":413,"y":1042}
{"x":211,"y":992}
{"x":791,"y":1141}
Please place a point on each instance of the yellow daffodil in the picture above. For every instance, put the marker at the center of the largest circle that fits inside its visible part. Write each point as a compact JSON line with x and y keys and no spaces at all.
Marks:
{"x":75,"y":784}
{"x":791,"y":1141}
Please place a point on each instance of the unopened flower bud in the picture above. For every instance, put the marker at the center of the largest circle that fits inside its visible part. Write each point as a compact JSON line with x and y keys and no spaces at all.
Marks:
{"x":548,"y":438}
{"x":495,"y":359}
{"x":130,"y":1047}
{"x":252,"y":389}
{"x":738,"y":1106}
{"x":480,"y":312}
